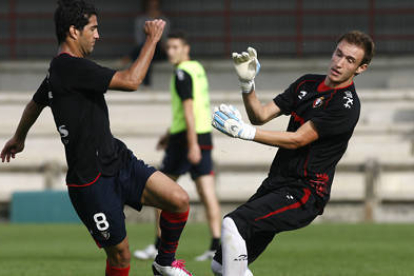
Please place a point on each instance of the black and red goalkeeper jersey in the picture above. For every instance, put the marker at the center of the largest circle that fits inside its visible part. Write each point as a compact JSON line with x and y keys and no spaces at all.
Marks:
{"x":335,"y":113}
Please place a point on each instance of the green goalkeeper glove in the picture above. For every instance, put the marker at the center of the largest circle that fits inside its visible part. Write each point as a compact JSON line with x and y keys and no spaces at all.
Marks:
{"x":247,"y":67}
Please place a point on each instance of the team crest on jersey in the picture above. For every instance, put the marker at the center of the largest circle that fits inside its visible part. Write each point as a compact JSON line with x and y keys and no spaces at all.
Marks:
{"x":318,"y":102}
{"x":106,"y":235}
{"x":349,"y":100}
{"x":302,"y":94}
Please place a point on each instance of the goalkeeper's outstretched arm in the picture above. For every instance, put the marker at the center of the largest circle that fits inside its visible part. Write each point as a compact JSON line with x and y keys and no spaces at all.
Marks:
{"x":305,"y":135}
{"x":247,"y":66}
{"x":259,"y":114}
{"x":228,"y":120}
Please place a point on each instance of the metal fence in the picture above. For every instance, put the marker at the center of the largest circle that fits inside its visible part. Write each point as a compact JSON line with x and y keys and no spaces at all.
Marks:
{"x":217,"y":27}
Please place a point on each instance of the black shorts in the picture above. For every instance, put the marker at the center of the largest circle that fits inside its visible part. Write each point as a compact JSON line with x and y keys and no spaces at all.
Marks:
{"x":100,"y":205}
{"x":271,"y":211}
{"x":176,"y":163}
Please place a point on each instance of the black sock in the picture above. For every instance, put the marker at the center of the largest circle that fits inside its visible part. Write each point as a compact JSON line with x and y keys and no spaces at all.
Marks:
{"x":157,"y":242}
{"x":215,"y":243}
{"x":172,"y":225}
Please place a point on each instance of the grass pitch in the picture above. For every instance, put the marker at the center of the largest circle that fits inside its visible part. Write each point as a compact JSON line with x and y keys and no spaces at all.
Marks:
{"x":318,"y":250}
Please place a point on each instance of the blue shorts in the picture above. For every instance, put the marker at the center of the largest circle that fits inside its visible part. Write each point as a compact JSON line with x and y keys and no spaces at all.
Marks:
{"x":100,"y":205}
{"x":176,"y":163}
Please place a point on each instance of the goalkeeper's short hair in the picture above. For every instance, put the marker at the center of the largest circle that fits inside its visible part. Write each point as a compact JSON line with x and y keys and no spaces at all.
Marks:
{"x":362,"y":40}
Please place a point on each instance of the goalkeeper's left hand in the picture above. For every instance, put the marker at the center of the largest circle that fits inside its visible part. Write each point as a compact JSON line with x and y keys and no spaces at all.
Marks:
{"x":227,"y":119}
{"x":247,"y":67}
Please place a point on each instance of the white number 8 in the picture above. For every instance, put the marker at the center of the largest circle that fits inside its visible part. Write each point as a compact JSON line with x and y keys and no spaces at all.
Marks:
{"x":101,"y":222}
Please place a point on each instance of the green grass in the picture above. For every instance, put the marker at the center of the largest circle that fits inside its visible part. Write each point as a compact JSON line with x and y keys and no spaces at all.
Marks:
{"x":318,"y":250}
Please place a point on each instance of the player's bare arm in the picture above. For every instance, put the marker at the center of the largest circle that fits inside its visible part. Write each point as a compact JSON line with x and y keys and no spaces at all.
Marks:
{"x":194,"y":152}
{"x":247,"y":66}
{"x":131,"y":78}
{"x":305,"y":135}
{"x":259,"y":114}
{"x":16,"y":143}
{"x":228,"y":120}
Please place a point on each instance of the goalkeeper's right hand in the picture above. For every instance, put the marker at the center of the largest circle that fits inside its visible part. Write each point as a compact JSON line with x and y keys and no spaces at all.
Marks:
{"x":247,"y":67}
{"x":227,"y":119}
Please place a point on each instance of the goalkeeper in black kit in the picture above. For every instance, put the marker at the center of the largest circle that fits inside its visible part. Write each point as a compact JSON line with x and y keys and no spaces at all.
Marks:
{"x":324,"y":110}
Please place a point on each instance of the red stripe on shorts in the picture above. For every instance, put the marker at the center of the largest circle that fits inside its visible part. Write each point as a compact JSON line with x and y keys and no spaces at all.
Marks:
{"x":84,"y":185}
{"x":296,"y":205}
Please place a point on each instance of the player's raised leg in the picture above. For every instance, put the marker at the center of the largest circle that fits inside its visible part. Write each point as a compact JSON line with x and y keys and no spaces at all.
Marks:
{"x":151,"y":251}
{"x":163,"y":193}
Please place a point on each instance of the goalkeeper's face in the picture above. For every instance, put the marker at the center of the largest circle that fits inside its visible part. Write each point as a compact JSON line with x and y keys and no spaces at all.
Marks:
{"x":346,"y":63}
{"x":177,"y":51}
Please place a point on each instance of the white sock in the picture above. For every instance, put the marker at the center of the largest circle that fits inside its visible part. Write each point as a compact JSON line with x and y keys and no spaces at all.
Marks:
{"x":234,"y":249}
{"x":217,"y":269}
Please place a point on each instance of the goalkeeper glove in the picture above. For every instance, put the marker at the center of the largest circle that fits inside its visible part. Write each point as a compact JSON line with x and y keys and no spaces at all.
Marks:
{"x":227,"y":119}
{"x":247,"y":67}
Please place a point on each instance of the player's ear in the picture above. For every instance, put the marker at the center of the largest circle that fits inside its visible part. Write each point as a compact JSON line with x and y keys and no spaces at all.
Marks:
{"x":73,"y":32}
{"x":187,"y":49}
{"x":361,"y":68}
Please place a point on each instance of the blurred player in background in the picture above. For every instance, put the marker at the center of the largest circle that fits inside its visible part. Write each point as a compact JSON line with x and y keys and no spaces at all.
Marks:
{"x":324,"y":111}
{"x":188,"y":142}
{"x":103,"y":174}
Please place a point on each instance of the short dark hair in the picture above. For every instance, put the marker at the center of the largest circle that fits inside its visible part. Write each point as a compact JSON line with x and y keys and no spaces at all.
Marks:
{"x":362,"y":40}
{"x":72,"y":13}
{"x":180,"y":35}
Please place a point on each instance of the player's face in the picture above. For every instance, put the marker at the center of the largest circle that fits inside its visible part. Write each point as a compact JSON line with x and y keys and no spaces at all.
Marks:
{"x":177,"y":51}
{"x":345,"y":64}
{"x":88,"y":36}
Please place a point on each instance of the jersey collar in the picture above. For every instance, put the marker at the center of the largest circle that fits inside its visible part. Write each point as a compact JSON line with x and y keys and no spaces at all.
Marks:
{"x":322,"y":87}
{"x":65,"y":53}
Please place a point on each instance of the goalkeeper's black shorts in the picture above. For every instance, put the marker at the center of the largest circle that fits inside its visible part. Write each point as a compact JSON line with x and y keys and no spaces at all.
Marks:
{"x":273,"y":210}
{"x":269,"y":211}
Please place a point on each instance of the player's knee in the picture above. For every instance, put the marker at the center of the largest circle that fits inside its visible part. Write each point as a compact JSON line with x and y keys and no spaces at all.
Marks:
{"x":123,"y":259}
{"x":120,"y":257}
{"x":229,"y":226}
{"x":181,"y":201}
